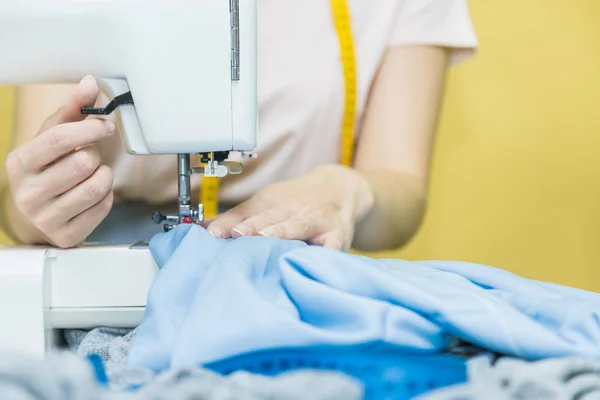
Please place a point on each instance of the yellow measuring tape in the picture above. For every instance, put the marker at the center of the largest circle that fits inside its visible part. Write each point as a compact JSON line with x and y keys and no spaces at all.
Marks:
{"x":343,"y":26}
{"x":209,"y":196}
{"x":209,"y":189}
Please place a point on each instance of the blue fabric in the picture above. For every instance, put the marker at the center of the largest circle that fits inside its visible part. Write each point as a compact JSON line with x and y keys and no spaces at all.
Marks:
{"x":216,"y":298}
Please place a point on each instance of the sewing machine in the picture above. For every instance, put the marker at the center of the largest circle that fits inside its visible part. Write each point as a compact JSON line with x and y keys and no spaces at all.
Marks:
{"x":182,"y":79}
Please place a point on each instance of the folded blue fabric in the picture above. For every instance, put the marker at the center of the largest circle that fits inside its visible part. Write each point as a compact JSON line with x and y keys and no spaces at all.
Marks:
{"x":216,"y":298}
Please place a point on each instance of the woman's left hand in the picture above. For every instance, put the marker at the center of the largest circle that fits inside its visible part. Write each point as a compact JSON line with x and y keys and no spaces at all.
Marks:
{"x":321,"y":207}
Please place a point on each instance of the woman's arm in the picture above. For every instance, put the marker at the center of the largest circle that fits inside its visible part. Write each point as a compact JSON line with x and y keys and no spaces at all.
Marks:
{"x":378,"y":204}
{"x":396,"y":142}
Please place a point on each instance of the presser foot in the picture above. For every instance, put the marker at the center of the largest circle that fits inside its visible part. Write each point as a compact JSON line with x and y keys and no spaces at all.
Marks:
{"x":187,"y":216}
{"x":215,"y":166}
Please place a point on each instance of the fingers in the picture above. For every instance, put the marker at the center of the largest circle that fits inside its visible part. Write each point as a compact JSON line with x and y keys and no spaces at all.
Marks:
{"x":295,"y":228}
{"x":69,"y":218}
{"x":84,"y":196}
{"x":335,"y":240}
{"x":305,"y":229}
{"x":223,"y":225}
{"x":84,"y":95}
{"x":68,"y":172}
{"x":79,"y":228}
{"x":207,"y":221}
{"x":253,"y":225}
{"x":57,"y":142}
{"x":280,"y":223}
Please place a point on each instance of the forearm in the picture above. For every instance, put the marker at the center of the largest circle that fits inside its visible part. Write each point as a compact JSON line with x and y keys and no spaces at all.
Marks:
{"x":395,"y":147}
{"x":398,"y":206}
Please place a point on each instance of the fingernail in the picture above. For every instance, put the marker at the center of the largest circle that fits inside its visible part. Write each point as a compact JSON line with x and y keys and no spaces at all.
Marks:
{"x":88,"y":79}
{"x":215,"y":231}
{"x":267,"y":232}
{"x":110,"y":126}
{"x":241,"y":230}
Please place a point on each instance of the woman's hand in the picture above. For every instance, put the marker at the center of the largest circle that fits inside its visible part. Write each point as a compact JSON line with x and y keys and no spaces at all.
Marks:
{"x":320,"y":208}
{"x":59,"y":191}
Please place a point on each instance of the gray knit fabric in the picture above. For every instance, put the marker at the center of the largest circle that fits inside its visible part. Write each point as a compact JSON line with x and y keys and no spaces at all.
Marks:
{"x":61,"y":376}
{"x":66,"y":376}
{"x":513,"y":379}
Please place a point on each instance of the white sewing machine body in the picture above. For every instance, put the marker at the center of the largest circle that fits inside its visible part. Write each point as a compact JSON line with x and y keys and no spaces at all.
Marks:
{"x":189,"y":64}
{"x":44,"y":290}
{"x":190,"y":68}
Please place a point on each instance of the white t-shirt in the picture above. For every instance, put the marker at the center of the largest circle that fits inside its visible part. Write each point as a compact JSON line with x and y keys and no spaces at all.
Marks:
{"x":301,"y":89}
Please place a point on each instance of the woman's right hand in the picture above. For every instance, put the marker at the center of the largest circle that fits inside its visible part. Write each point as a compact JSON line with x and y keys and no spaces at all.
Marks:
{"x":60,"y":192}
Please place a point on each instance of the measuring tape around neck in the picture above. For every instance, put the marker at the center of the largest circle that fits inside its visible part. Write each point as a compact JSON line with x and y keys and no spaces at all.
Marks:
{"x":209,"y":189}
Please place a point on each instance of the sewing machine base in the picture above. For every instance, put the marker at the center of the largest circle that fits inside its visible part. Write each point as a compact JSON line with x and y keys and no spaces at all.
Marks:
{"x":44,"y":290}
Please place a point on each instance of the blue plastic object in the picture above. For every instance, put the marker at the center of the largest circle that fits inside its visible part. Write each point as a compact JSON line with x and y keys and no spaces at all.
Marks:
{"x":385,"y":374}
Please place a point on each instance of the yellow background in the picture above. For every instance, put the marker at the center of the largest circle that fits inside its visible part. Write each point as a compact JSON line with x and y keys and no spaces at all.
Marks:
{"x":6,"y":114}
{"x":516,"y":180}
